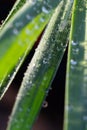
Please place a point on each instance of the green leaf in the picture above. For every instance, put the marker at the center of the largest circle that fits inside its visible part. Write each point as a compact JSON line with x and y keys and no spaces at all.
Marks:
{"x":76,"y":85}
{"x":42,"y":69}
{"x":18,"y":37}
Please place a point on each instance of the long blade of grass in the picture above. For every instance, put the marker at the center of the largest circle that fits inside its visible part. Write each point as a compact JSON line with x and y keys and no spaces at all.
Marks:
{"x":18,"y":37}
{"x":76,"y":80}
{"x":41,"y":70}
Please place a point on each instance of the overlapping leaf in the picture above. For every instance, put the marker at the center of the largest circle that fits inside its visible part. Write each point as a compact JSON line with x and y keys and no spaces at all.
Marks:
{"x":41,"y":70}
{"x":18,"y":37}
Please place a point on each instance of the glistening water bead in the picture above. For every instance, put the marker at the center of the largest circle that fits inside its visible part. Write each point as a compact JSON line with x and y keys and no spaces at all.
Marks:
{"x":74,"y":43}
{"x":73,"y":62}
{"x":45,"y":104}
{"x":45,"y":10}
{"x":28,"y":17}
{"x":15,"y":31}
{"x":85,"y":118}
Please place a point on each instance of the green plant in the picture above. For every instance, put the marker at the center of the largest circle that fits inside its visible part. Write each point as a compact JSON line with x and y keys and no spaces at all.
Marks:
{"x":23,"y":29}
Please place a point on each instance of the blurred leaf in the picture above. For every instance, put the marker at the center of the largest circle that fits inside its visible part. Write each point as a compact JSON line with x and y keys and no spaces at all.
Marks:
{"x":76,"y":85}
{"x":18,"y":37}
{"x":42,"y":69}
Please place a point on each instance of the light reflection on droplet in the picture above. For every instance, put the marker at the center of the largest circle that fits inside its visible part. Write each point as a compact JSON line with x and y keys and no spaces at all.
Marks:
{"x":42,"y":19}
{"x":44,"y":10}
{"x":45,"y":104}
{"x":74,"y":43}
{"x":15,"y":31}
{"x":45,"y":61}
{"x":73,"y":62}
{"x":85,"y":118}
{"x":75,"y":51}
{"x":28,"y":17}
{"x":18,"y":24}
{"x":36,"y":27}
{"x":27,"y":31}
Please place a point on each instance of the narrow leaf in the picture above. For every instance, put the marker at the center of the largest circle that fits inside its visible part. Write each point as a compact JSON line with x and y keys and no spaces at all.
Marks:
{"x":18,"y":37}
{"x":41,"y":70}
{"x":76,"y":80}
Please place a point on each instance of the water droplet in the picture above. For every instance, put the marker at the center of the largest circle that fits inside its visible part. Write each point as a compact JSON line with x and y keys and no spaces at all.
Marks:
{"x":36,"y":27}
{"x":45,"y":104}
{"x":45,"y":61}
{"x":15,"y":31}
{"x":33,"y":65}
{"x":42,"y":19}
{"x":74,"y":43}
{"x":73,"y":62}
{"x":30,"y":82}
{"x":71,"y":1}
{"x":75,"y":51}
{"x":9,"y":76}
{"x":80,"y":9}
{"x":32,"y":1}
{"x":28,"y":17}
{"x":50,"y":88}
{"x":62,"y":26}
{"x":2,"y":21}
{"x":27,"y":31}
{"x":85,"y":118}
{"x":18,"y":24}
{"x":47,"y":91}
{"x":63,"y":45}
{"x":58,"y":48}
{"x":44,"y":10}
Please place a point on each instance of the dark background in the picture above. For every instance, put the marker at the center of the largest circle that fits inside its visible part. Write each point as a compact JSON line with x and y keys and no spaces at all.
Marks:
{"x":51,"y":117}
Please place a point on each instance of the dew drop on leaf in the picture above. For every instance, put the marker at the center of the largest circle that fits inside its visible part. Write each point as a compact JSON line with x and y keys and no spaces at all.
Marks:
{"x":2,"y":21}
{"x":36,"y":27}
{"x":9,"y":76}
{"x":85,"y":118}
{"x":45,"y":104}
{"x":74,"y":43}
{"x":44,"y":61}
{"x":75,"y":51}
{"x":32,"y":1}
{"x":42,"y":19}
{"x":44,"y":10}
{"x":73,"y":62}
{"x":28,"y":17}
{"x":18,"y":24}
{"x":71,"y":1}
{"x":27,"y":31}
{"x":15,"y":31}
